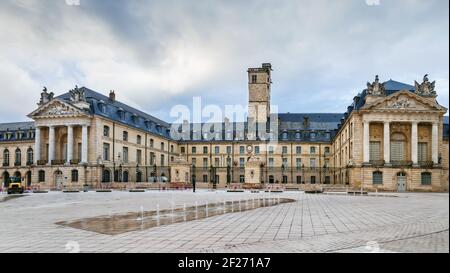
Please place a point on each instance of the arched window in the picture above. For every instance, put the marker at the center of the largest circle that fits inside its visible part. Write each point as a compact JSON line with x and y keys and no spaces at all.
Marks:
{"x":138,"y":139}
{"x":18,"y":157}
{"x":106,"y":131}
{"x":30,"y":156}
{"x":398,"y":147}
{"x":74,"y":175}
{"x":377,"y":178}
{"x":284,"y":136}
{"x":106,"y":176}
{"x":125,"y":176}
{"x":297,"y":136}
{"x":41,"y":176}
{"x":6,"y":157}
{"x":138,"y":176}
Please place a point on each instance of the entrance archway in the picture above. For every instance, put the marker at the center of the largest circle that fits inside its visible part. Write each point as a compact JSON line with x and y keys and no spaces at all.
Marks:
{"x":58,"y":176}
{"x":5,"y":178}
{"x":401,"y":182}
{"x":106,"y":176}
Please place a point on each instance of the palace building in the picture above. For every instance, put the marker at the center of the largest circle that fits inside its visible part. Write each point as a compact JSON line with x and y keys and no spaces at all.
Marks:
{"x":392,"y":137}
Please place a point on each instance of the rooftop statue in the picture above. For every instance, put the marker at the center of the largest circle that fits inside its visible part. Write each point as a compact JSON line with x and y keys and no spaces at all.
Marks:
{"x":77,"y":95}
{"x":425,"y":88}
{"x":376,"y":88}
{"x":45,"y":97}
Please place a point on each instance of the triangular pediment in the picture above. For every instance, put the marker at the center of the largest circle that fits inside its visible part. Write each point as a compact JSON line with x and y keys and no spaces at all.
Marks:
{"x":405,"y":101}
{"x":57,"y":108}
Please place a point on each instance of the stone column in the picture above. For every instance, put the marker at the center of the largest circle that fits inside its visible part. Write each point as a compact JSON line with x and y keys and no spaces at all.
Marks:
{"x":51,"y":144}
{"x":414,"y":140}
{"x":387,"y":143}
{"x":366,"y":152}
{"x":84,"y":144}
{"x":434,"y":143}
{"x":37,"y":145}
{"x":69,"y":143}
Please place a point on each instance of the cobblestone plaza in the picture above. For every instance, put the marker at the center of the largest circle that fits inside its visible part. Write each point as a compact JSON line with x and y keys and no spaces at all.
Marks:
{"x":388,"y":222}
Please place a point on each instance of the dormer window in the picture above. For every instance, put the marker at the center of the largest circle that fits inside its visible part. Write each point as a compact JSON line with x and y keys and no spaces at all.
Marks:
{"x":297,"y":135}
{"x":134,"y":118}
{"x":148,"y":123}
{"x":102,"y":106}
{"x":312,"y":135}
{"x":284,"y":136}
{"x":121,"y":113}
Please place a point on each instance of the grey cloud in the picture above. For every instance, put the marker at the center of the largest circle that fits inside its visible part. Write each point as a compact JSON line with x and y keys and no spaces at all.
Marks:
{"x":160,"y":53}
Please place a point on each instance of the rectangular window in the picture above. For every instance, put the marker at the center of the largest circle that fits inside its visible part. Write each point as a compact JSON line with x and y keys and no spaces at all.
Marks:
{"x":242,"y":162}
{"x":162,"y":146}
{"x":241,"y":150}
{"x":241,"y":178}
{"x":257,"y":150}
{"x":125,"y":154}
{"x":270,"y":162}
{"x":152,"y":143}
{"x":194,"y":150}
{"x":205,"y":162}
{"x":327,"y":150}
{"x":194,"y":161}
{"x":312,"y":162}
{"x":217,"y":162}
{"x":299,"y":179}
{"x":183,"y":150}
{"x":312,"y":150}
{"x":139,"y":157}
{"x":298,"y":162}
{"x":284,"y":150}
{"x":254,"y":78}
{"x":228,"y":149}
{"x":270,"y":149}
{"x":205,"y":150}
{"x":152,"y":158}
{"x":106,"y":131}
{"x":163,"y":160}
{"x":106,"y":151}
{"x":125,"y":136}
{"x":298,"y":150}
{"x":397,"y":151}
{"x":205,"y":178}
{"x":426,"y":178}
{"x":327,"y":180}
{"x":313,"y":180}
{"x":138,"y":139}
{"x":217,"y":150}
{"x":285,"y":162}
{"x":377,"y":178}
{"x":374,"y":151}
{"x":422,"y":151}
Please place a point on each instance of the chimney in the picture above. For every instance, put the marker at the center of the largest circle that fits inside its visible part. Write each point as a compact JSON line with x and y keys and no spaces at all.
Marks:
{"x":112,"y":95}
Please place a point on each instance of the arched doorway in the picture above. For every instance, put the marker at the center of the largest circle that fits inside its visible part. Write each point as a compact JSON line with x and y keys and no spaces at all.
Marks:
{"x":125,"y":176}
{"x":58,"y":179}
{"x":28,"y":179}
{"x":17,"y":174}
{"x":401,"y":182}
{"x":138,"y":176}
{"x":5,"y":178}
{"x":106,"y":176}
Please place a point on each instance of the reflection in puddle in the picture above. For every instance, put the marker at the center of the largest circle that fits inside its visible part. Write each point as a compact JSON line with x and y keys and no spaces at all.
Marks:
{"x":9,"y":197}
{"x":132,"y":221}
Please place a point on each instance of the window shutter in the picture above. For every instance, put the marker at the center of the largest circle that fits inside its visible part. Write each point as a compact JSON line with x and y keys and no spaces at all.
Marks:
{"x":374,"y":150}
{"x":397,"y":151}
{"x":422,"y":154}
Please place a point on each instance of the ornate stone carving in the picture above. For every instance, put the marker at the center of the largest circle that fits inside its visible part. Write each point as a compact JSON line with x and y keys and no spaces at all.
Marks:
{"x":376,"y":88}
{"x":58,"y":110}
{"x":401,"y":103}
{"x":426,"y":88}
{"x":45,"y":97}
{"x":77,"y":95}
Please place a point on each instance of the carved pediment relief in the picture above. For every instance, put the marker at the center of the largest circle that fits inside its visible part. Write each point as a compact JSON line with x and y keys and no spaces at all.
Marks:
{"x":404,"y":100}
{"x":56,"y":108}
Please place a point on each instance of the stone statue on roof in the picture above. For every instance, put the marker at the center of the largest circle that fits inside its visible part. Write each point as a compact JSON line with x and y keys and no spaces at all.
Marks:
{"x":376,"y":88}
{"x":77,"y":95}
{"x":45,"y":97}
{"x":425,"y":88}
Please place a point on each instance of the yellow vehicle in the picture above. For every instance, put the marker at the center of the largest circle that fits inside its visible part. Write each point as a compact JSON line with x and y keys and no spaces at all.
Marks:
{"x":15,"y":185}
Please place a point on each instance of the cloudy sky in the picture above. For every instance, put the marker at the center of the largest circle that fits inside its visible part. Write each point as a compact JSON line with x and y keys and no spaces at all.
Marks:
{"x":157,"y":54}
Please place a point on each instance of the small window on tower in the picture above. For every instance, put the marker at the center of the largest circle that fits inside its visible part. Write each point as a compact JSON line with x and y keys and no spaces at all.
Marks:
{"x":254,"y":78}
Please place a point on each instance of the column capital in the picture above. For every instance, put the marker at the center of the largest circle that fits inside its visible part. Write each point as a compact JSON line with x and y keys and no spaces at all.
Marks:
{"x":387,"y":122}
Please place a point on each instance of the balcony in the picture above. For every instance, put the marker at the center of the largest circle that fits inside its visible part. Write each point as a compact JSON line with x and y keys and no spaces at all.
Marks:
{"x":426,"y":164}
{"x":377,"y":163}
{"x":75,"y":161}
{"x":402,"y":163}
{"x":29,"y":163}
{"x":17,"y":164}
{"x":42,"y":162}
{"x":58,"y":162}
{"x":5,"y":164}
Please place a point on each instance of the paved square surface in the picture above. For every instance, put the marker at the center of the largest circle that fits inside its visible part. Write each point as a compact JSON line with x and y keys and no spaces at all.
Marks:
{"x":408,"y":222}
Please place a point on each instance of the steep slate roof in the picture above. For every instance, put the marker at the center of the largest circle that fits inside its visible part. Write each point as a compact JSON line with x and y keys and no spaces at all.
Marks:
{"x":16,"y":126}
{"x":446,"y":129}
{"x":142,"y":121}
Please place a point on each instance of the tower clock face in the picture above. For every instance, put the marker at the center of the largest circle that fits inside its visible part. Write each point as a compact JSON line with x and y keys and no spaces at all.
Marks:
{"x":249,"y":148}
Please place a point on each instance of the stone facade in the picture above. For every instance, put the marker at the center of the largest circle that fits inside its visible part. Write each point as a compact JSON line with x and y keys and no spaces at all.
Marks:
{"x":393,"y":137}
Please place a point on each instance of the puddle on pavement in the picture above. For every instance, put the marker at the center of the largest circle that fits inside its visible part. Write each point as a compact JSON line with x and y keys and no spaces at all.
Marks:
{"x":133,"y":221}
{"x":10,"y":197}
